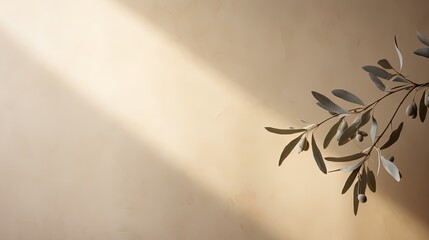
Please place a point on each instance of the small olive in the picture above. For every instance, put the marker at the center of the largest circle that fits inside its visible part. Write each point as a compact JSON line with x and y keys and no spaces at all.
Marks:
{"x":391,"y":158}
{"x":411,"y":110}
{"x":362,"y":198}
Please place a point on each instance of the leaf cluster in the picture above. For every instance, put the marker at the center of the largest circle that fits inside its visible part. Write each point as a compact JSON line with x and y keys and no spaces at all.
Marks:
{"x":350,"y":125}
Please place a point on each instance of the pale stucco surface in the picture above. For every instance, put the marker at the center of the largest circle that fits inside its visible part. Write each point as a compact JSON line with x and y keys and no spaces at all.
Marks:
{"x":145,"y":119}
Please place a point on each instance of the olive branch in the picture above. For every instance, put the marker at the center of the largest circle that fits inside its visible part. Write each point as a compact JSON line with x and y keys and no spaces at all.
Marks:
{"x":362,"y":176}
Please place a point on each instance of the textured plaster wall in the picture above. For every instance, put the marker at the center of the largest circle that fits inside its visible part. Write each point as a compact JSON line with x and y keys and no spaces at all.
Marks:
{"x":144,"y":119}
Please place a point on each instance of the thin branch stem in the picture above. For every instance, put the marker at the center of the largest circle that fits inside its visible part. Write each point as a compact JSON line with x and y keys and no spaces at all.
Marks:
{"x":391,"y":120}
{"x":361,"y":109}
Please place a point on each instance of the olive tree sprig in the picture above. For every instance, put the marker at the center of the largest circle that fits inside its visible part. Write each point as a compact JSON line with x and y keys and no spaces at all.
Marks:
{"x":361,"y":174}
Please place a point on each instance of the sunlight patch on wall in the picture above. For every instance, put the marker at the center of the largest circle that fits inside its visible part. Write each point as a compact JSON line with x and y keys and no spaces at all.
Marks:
{"x":156,"y":90}
{"x":187,"y":111}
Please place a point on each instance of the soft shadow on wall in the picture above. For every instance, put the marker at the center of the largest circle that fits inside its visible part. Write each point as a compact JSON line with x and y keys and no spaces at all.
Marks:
{"x":271,"y":50}
{"x":69,"y":171}
{"x":274,"y":49}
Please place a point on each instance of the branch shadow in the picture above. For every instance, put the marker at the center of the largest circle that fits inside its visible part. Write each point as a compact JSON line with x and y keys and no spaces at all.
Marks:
{"x":69,"y":171}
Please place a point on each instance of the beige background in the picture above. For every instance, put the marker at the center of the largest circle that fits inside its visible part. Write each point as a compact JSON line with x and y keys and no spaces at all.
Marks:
{"x":144,"y":119}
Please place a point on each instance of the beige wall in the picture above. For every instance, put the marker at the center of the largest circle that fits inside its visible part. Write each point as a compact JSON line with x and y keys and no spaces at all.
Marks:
{"x":144,"y":119}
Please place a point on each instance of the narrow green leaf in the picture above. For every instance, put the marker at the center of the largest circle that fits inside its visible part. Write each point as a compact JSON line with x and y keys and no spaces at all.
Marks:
{"x":394,"y":136}
{"x":398,"y":78}
{"x":346,"y":158}
{"x":331,"y":133}
{"x":401,"y":58}
{"x":364,"y":119}
{"x":355,"y":198}
{"x":385,"y":64}
{"x":350,"y":180}
{"x":377,"y":82}
{"x":391,"y":168}
{"x":318,"y":156}
{"x":378,"y":162}
{"x":284,"y":131}
{"x":374,"y":128}
{"x":348,"y":96}
{"x":423,"y":39}
{"x":324,"y":107}
{"x":328,"y":104}
{"x":288,"y":149}
{"x":362,"y":184}
{"x":349,"y":168}
{"x":352,"y":167}
{"x":424,"y":52}
{"x":377,"y":71}
{"x":348,"y":133}
{"x":422,"y":108}
{"x":371,"y":181}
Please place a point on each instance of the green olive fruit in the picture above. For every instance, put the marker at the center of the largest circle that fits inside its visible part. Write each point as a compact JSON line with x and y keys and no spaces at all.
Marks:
{"x":362,"y":198}
{"x":411,"y":110}
{"x":359,"y":137}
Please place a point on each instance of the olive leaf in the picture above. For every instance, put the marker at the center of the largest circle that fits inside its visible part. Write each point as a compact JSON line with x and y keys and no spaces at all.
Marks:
{"x":348,"y":133}
{"x":350,"y":180}
{"x":365,"y":118}
{"x":284,"y":131}
{"x":424,"y":52}
{"x":391,"y":168}
{"x":346,"y":158}
{"x":423,"y":39}
{"x":373,"y":131}
{"x":362,"y":184}
{"x":348,"y":96}
{"x":398,"y":78}
{"x":352,"y":167}
{"x":399,"y":86}
{"x":401,"y":58}
{"x":349,"y":168}
{"x":331,"y":133}
{"x":324,"y":107}
{"x":288,"y":149}
{"x":384,"y":64}
{"x":318,"y":156}
{"x":377,"y":82}
{"x":355,"y":198}
{"x":394,"y":136}
{"x":379,"y":161}
{"x":371,"y":181}
{"x":377,"y":71}
{"x":327,"y":104}
{"x":422,"y":108}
